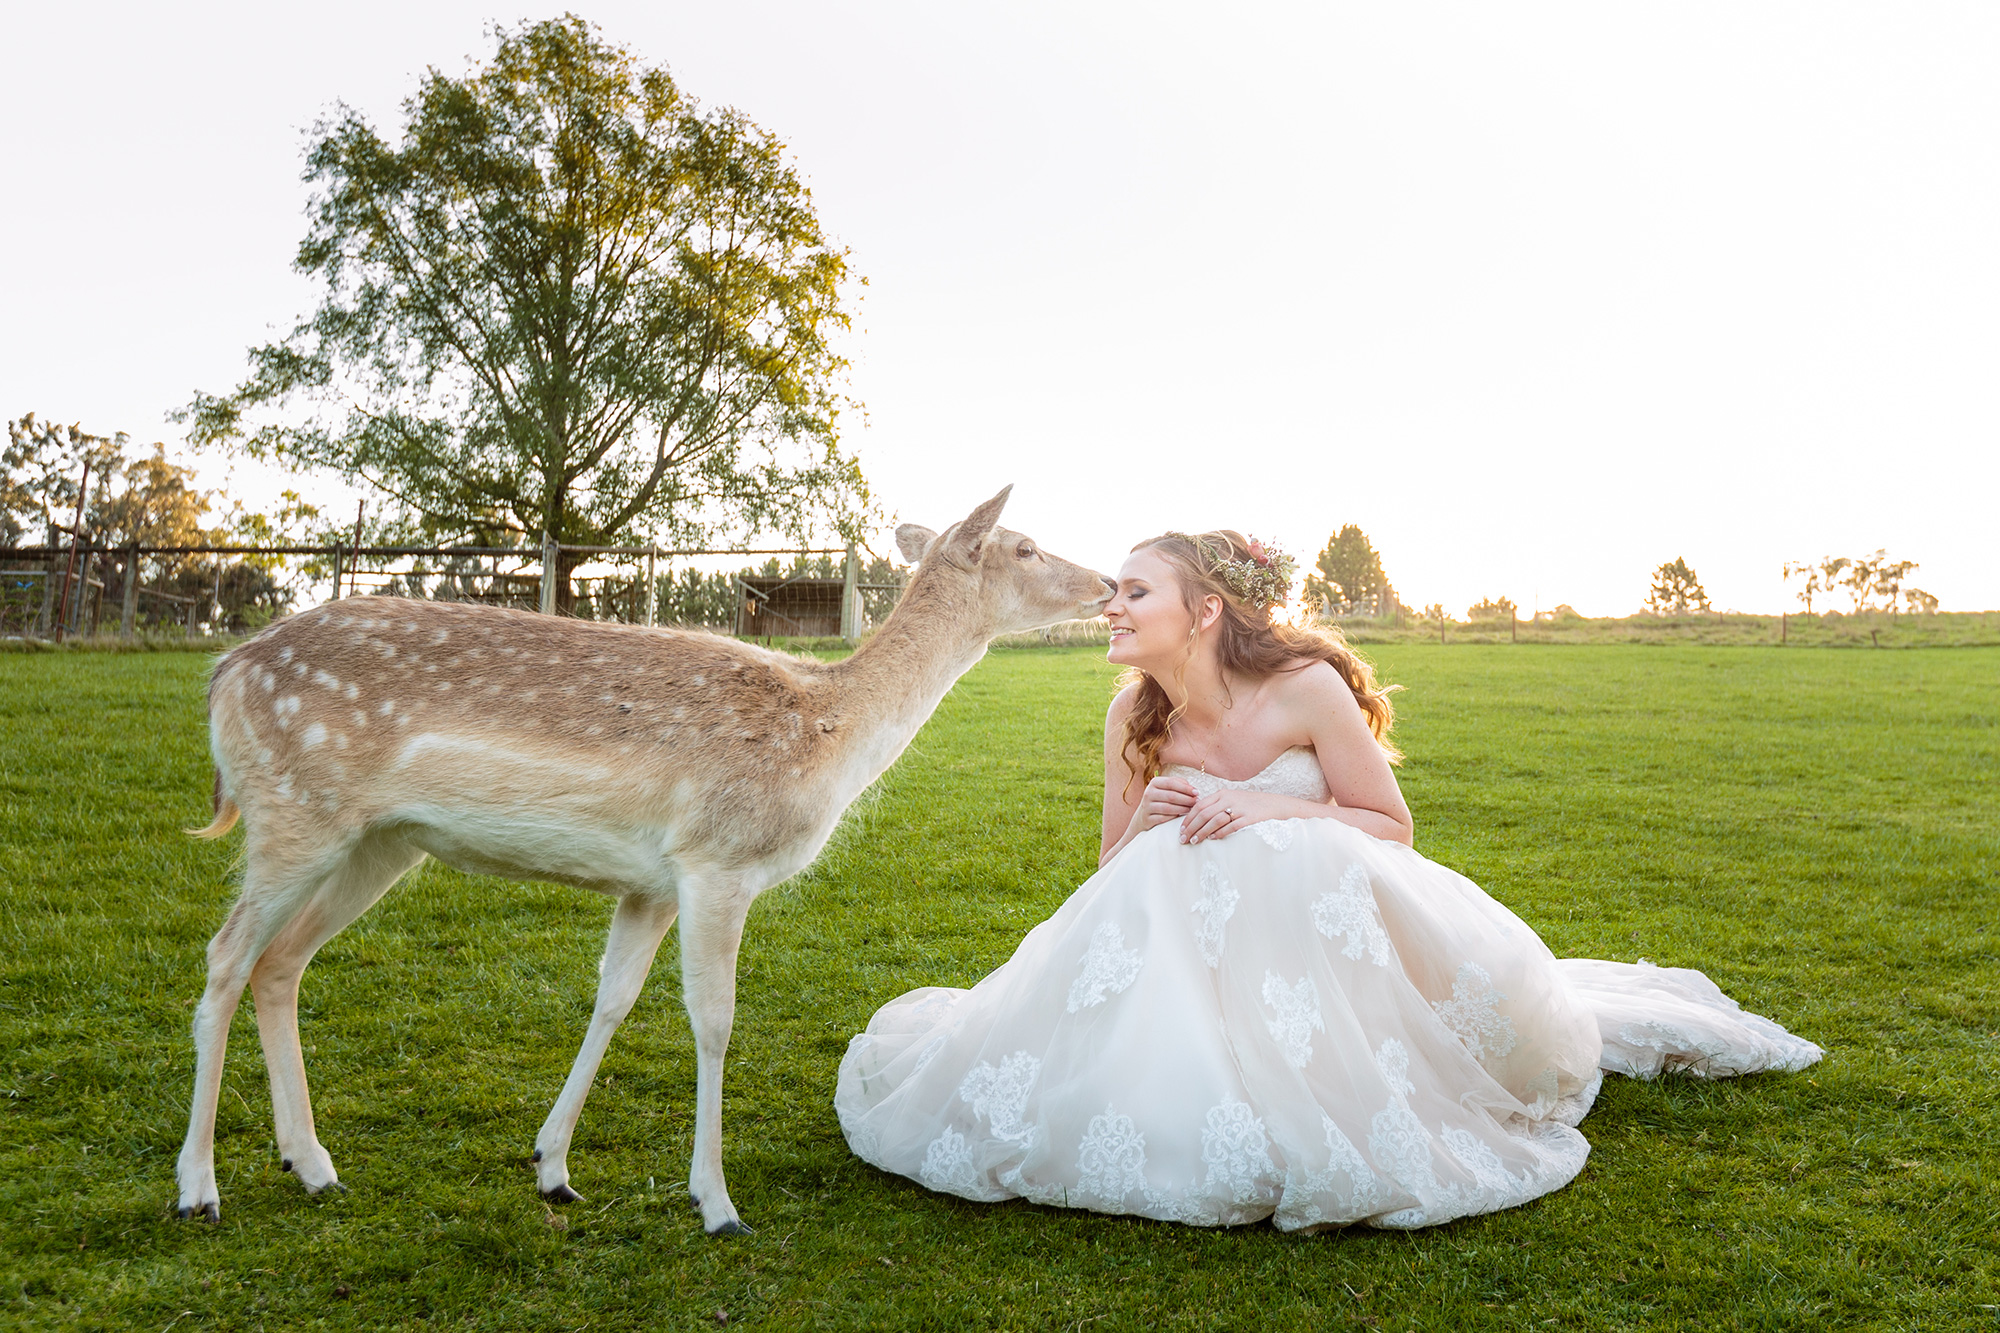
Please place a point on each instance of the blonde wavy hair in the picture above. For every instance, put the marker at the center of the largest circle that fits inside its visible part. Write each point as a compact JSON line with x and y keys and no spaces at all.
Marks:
{"x":1249,"y":644}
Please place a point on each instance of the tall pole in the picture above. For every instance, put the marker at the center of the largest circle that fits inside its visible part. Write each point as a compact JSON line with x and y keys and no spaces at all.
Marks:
{"x":652,"y":588}
{"x":45,"y":619}
{"x":850,"y":618}
{"x":75,"y":539}
{"x":128,"y":615}
{"x":352,"y":583}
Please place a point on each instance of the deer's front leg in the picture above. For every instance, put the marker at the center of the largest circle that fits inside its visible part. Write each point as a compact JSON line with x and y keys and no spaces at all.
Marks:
{"x":637,"y":927}
{"x":712,"y":914}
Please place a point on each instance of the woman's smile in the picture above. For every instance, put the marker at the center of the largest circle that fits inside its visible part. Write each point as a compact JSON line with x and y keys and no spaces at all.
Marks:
{"x":1147,"y":614}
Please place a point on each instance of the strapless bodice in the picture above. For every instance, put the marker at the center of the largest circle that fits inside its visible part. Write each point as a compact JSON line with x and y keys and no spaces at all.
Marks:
{"x":1296,"y":772}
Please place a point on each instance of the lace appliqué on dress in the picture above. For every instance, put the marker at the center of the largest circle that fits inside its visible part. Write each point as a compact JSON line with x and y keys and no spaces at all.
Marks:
{"x":928,"y":1054}
{"x":1000,"y":1093}
{"x":1394,"y":1062}
{"x":1276,"y":833}
{"x":1473,"y":1014}
{"x":932,"y":1007}
{"x":1111,"y":1160}
{"x":1318,"y":1200}
{"x":1217,"y":904}
{"x":1479,"y":1161}
{"x":948,"y":1169}
{"x":1402,"y":1148}
{"x":1296,"y":1017}
{"x":1108,"y":967}
{"x":1350,"y":911}
{"x":1237,"y":1152}
{"x":1398,"y":1140}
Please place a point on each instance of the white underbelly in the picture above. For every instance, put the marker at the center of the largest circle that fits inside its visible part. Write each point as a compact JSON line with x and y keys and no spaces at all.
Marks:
{"x":527,"y":846}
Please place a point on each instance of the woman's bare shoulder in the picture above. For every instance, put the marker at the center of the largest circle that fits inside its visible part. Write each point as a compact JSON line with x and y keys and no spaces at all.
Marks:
{"x":1310,"y":681}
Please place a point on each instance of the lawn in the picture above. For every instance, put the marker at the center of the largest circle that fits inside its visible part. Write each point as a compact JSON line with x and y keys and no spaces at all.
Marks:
{"x":1815,"y":828}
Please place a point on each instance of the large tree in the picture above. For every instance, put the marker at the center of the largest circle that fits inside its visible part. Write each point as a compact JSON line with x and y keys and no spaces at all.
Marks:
{"x":569,"y":302}
{"x":1348,"y":572}
{"x":1676,"y":590}
{"x":41,"y":467}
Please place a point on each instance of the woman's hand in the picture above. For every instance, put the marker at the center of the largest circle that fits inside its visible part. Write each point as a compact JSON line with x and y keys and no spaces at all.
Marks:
{"x":1164,"y":799}
{"x":1221,"y":813}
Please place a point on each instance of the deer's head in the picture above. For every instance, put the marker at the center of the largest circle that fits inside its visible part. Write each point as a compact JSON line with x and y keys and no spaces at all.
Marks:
{"x":1017,"y":584}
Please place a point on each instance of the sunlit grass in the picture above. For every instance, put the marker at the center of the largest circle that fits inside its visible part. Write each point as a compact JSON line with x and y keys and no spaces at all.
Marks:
{"x":1817,"y":830}
{"x":1869,"y":629}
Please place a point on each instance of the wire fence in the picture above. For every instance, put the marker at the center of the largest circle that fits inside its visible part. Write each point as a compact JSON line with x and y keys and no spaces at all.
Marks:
{"x":82,"y":589}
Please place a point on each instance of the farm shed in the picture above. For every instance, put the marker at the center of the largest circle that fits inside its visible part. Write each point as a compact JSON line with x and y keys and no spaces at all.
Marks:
{"x":773,"y":604}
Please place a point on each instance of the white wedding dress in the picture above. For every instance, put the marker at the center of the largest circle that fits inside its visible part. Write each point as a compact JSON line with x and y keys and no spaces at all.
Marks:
{"x":1298,"y":1021}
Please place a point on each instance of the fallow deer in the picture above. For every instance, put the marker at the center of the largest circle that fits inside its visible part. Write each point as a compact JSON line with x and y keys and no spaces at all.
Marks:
{"x":680,"y":772}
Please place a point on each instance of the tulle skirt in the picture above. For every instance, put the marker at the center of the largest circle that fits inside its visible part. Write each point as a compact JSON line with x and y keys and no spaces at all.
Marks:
{"x":1298,"y":1022}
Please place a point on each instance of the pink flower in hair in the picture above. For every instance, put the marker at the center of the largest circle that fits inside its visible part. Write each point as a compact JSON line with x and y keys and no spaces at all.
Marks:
{"x":1257,"y":553}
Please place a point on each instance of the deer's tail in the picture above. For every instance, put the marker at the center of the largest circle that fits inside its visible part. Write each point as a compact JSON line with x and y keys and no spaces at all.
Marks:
{"x":225,"y":814}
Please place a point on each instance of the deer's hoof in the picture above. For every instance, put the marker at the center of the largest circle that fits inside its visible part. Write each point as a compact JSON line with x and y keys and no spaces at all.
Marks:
{"x":731,"y":1226}
{"x":206,"y":1212}
{"x":561,"y":1194}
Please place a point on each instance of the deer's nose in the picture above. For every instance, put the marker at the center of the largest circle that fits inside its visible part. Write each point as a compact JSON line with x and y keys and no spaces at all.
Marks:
{"x":1110,"y":586}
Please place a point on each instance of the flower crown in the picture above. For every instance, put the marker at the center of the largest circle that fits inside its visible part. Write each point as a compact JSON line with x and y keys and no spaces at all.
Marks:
{"x":1263,"y":578}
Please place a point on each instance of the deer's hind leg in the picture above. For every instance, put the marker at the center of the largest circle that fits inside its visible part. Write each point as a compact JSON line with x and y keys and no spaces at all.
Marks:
{"x":350,"y":889}
{"x":280,"y":881}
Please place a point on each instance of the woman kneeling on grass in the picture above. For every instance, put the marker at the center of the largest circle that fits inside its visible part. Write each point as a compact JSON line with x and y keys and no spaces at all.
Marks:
{"x":1265,"y":1003}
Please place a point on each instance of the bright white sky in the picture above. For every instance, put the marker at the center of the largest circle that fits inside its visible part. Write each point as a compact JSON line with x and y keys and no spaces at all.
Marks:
{"x":1540,"y":295}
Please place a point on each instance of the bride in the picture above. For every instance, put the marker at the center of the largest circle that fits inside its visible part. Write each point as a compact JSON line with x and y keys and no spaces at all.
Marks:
{"x":1265,"y":1003}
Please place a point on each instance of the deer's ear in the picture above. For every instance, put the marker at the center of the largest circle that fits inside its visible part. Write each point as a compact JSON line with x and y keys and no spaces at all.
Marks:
{"x":967,"y":539}
{"x":913,"y":539}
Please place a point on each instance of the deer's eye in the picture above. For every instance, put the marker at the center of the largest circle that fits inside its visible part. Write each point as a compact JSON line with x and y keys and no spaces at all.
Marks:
{"x":1026,"y":551}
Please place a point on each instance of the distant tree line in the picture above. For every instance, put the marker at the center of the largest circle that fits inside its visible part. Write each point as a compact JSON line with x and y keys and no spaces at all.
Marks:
{"x":1348,"y":579}
{"x":1871,"y":582}
{"x":137,"y":498}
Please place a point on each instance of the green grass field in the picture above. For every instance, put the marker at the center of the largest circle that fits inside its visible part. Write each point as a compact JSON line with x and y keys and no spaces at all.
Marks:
{"x":1815,"y":829}
{"x":1869,"y":629}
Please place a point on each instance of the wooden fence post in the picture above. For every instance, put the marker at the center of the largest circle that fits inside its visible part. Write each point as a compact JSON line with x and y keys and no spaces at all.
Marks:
{"x":128,"y":613}
{"x":354,"y":565}
{"x":75,"y":540}
{"x":76,"y":588}
{"x":336,"y":569}
{"x":850,"y":626}
{"x":45,"y":618}
{"x":550,"y":554}
{"x":652,"y":586}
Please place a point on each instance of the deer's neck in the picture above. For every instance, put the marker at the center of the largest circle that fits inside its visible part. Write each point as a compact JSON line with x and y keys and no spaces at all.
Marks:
{"x":885,"y":692}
